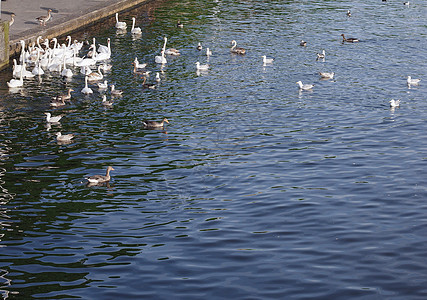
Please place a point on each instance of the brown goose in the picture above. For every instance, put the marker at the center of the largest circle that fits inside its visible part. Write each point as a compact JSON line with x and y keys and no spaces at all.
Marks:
{"x":62,"y":98}
{"x":44,"y":19}
{"x":96,"y":179}
{"x":349,"y":40}
{"x":12,"y":19}
{"x":237,"y":50}
{"x":154,"y":124}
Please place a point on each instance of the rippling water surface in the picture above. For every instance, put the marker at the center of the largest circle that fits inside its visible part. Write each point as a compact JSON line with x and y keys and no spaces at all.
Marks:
{"x":254,"y":190}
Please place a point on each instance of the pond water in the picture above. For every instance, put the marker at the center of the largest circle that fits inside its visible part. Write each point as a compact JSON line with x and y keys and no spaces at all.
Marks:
{"x":254,"y":190}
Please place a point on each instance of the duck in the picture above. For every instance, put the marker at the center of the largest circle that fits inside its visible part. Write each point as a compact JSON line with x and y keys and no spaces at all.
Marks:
{"x":208,"y":52}
{"x":138,"y":65}
{"x":348,"y":13}
{"x":327,"y":75}
{"x":321,"y":55}
{"x":120,"y":25}
{"x":95,"y":76}
{"x":394,"y":103}
{"x":303,"y":43}
{"x":43,"y":19}
{"x":147,"y":85}
{"x":103,"y":85}
{"x":202,"y":67}
{"x":64,"y":137}
{"x":154,"y":124}
{"x":304,"y":86}
{"x":199,"y":46}
{"x":135,"y":30}
{"x":114,"y":91}
{"x":105,"y":102}
{"x":411,"y":81}
{"x":349,"y":40}
{"x":86,"y":90}
{"x":237,"y":50}
{"x":96,"y":179}
{"x":406,"y":3}
{"x":266,"y":60}
{"x":179,"y":24}
{"x":12,"y":19}
{"x":51,"y":119}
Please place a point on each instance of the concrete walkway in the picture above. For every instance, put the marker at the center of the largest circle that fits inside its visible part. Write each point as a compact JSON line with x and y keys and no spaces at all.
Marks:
{"x":67,"y":16}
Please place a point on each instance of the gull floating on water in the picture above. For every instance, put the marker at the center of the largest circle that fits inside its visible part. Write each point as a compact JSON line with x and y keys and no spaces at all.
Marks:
{"x":327,"y":75}
{"x":51,"y":119}
{"x":304,"y":86}
{"x":202,"y":67}
{"x":64,"y":137}
{"x":321,"y":55}
{"x":411,"y":81}
{"x":394,"y":103}
{"x":266,"y":60}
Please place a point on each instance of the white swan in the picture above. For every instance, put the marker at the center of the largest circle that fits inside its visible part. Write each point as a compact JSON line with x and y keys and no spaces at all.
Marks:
{"x":202,"y":67}
{"x":305,"y":86}
{"x":105,"y":49}
{"x":161,"y":59}
{"x":266,"y":60}
{"x":51,"y":119}
{"x":13,"y":83}
{"x":16,"y":69}
{"x":158,"y":77}
{"x":120,"y":25}
{"x":208,"y":52}
{"x":411,"y":81}
{"x":86,"y":90}
{"x":135,"y":30}
{"x":66,"y":72}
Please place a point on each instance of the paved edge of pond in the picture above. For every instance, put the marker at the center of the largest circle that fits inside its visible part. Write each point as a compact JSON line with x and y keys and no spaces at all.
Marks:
{"x":73,"y":22}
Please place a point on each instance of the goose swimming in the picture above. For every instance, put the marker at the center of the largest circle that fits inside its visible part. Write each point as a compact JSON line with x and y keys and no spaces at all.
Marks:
{"x":349,"y":40}
{"x":154,"y":124}
{"x":96,"y":179}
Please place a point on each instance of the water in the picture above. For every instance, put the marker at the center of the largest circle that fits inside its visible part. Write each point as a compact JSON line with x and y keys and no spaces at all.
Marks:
{"x":254,"y":190}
